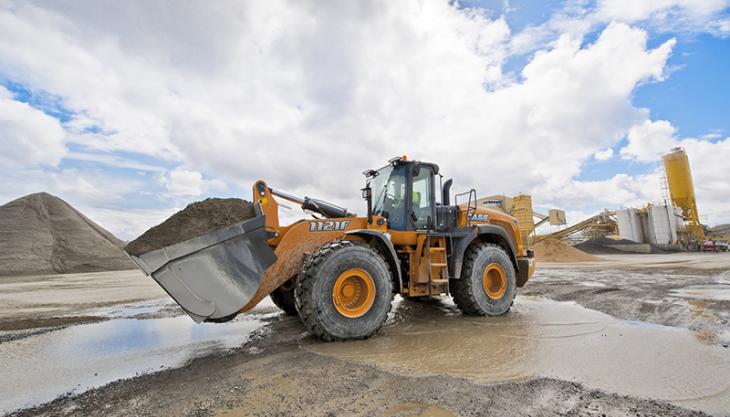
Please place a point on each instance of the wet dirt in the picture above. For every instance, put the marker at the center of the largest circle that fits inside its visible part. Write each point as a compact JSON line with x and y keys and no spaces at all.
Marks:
{"x":544,"y":338}
{"x":694,"y":299}
{"x":279,"y":369}
{"x":76,"y":358}
{"x":37,"y":303}
{"x":195,"y":220}
{"x":273,"y":376}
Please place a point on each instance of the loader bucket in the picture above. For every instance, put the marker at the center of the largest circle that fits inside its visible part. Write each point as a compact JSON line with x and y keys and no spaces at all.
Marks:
{"x":212,"y":276}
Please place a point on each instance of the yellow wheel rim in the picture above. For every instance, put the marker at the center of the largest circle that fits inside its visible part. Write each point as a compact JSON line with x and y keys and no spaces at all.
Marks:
{"x":494,"y":280}
{"x":353,"y":293}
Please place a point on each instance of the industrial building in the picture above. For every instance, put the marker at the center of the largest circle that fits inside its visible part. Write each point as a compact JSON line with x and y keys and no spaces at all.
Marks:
{"x":656,"y":224}
{"x":520,"y":206}
{"x":674,"y":222}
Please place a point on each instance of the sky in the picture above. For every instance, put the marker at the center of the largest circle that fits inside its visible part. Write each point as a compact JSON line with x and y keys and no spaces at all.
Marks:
{"x":131,"y":110}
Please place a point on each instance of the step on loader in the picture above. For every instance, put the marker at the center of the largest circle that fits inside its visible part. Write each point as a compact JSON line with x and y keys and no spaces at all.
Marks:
{"x":338,"y":271}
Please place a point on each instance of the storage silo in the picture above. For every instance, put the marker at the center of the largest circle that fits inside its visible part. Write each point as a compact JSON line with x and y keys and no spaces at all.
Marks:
{"x":681,"y":189}
{"x":662,"y":223}
{"x":629,"y":225}
{"x":522,"y":211}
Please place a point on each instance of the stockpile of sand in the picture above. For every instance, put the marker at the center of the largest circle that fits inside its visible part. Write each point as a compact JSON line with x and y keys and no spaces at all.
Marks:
{"x":551,"y":250}
{"x":42,"y":234}
{"x":194,"y":220}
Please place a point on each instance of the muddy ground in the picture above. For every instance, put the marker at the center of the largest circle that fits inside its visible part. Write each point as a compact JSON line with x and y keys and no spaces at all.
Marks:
{"x":137,"y":356}
{"x":683,"y":290}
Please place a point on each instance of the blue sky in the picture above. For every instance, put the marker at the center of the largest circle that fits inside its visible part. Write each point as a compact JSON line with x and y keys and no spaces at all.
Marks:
{"x":130,"y":121}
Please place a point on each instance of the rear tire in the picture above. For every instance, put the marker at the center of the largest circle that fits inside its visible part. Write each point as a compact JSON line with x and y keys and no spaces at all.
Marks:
{"x":487,"y":285}
{"x":344,"y":291}
{"x":283,"y":297}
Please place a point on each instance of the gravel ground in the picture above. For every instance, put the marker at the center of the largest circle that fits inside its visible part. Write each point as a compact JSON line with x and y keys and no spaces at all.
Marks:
{"x":271,"y":376}
{"x":692,"y":298}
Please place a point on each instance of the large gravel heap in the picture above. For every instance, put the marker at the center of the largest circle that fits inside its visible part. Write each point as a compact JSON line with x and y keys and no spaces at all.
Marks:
{"x":552,"y":250}
{"x":42,"y":234}
{"x":194,"y":220}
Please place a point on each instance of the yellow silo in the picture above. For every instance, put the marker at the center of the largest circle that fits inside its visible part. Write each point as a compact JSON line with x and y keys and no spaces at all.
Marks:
{"x":522,"y":211}
{"x":681,"y":189}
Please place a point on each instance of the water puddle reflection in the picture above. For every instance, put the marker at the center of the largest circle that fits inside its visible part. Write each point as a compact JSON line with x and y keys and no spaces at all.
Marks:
{"x":551,"y":339}
{"x":81,"y":357}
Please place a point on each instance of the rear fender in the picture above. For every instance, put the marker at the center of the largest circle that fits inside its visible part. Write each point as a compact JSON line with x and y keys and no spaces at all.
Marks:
{"x":381,"y":242}
{"x":486,"y":233}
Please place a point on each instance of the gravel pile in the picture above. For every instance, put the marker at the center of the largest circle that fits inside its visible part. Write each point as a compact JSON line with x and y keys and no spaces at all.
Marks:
{"x":551,"y":250}
{"x":195,"y":220}
{"x":42,"y":234}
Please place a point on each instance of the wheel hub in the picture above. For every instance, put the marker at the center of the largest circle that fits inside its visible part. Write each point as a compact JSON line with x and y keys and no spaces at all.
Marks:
{"x":353,"y":293}
{"x":494,"y":281}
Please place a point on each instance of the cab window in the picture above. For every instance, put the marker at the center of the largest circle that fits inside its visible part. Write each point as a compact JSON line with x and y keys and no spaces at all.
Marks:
{"x":421,"y":197}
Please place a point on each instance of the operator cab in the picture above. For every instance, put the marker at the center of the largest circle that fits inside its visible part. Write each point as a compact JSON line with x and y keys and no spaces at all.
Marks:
{"x":404,"y":193}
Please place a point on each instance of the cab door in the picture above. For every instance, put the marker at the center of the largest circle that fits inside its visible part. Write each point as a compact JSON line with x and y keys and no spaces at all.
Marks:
{"x":422,"y":198}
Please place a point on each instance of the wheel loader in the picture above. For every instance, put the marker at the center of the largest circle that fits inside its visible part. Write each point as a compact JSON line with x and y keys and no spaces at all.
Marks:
{"x":338,"y":271}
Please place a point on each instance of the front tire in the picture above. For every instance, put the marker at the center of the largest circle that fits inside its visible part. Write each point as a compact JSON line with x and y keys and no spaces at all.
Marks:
{"x":344,"y":291}
{"x":487,"y":285}
{"x":283,"y":297}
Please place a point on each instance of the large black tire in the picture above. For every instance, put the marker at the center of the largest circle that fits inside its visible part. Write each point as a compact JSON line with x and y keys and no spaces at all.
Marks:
{"x":469,"y":291}
{"x":315,"y":297}
{"x":283,"y":297}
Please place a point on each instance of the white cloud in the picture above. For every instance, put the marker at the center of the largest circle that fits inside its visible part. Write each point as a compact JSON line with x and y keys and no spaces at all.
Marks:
{"x":308,"y":96}
{"x":665,"y":16}
{"x":603,"y":155}
{"x":649,"y":140}
{"x":183,"y":182}
{"x":95,"y":188}
{"x":633,"y":11}
{"x":29,"y":137}
{"x":127,"y":224}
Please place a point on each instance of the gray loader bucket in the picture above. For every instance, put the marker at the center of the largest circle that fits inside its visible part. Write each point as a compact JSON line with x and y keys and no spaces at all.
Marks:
{"x":212,"y":276}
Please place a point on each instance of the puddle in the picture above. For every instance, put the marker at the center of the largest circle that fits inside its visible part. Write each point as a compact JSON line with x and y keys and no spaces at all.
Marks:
{"x":77,"y":358}
{"x":544,"y":338}
{"x":720,"y":292}
{"x":134,"y":310}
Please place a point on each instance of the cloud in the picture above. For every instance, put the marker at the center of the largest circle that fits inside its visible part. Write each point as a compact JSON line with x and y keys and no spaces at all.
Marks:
{"x":659,"y":10}
{"x":29,"y":136}
{"x":649,"y":140}
{"x":603,"y":155}
{"x":308,"y":96}
{"x":662,"y":16}
{"x":186,"y":183}
{"x":127,"y":224}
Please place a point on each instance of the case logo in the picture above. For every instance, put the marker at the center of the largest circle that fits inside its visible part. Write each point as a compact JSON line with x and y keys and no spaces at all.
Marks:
{"x":329,"y":226}
{"x":479,"y":217}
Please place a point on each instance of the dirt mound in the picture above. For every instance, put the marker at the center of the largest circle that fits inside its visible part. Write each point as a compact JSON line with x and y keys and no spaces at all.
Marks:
{"x":42,"y":234}
{"x":551,"y":250}
{"x":599,"y":246}
{"x":194,"y":220}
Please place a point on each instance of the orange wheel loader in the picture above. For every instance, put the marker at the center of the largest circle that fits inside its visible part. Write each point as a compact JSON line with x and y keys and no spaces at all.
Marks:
{"x":339,"y":272}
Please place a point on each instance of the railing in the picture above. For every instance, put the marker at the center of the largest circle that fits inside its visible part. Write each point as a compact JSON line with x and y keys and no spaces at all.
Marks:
{"x":470,"y":210}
